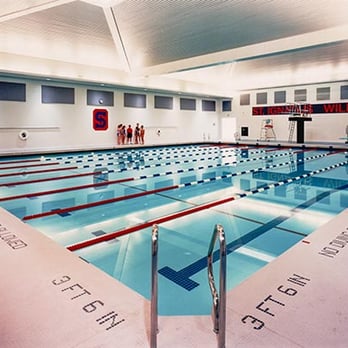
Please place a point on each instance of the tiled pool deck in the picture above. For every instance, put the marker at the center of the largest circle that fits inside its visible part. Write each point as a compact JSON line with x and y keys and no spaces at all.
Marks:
{"x":52,"y":298}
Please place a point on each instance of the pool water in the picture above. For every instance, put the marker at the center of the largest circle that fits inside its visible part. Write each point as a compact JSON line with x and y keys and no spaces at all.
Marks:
{"x":266,"y":198}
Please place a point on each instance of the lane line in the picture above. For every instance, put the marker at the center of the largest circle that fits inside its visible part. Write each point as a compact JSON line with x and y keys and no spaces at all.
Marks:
{"x":98,"y":203}
{"x":182,"y":277}
{"x":72,"y":176}
{"x":97,"y":166}
{"x":65,"y":189}
{"x":32,"y":165}
{"x":192,"y":210}
{"x":116,"y":199}
{"x":134,"y":168}
{"x":20,"y":161}
{"x":38,"y":171}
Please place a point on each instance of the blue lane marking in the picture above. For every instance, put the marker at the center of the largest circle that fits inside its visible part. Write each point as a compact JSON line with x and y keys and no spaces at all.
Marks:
{"x":98,"y":233}
{"x":182,"y":277}
{"x":64,"y":214}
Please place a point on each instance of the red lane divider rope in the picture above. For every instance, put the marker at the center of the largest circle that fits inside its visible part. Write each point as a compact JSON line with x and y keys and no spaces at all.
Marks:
{"x":38,"y":171}
{"x":65,"y":189}
{"x":95,"y":204}
{"x":32,"y":165}
{"x":72,"y":176}
{"x":19,"y":161}
{"x":147,"y":224}
{"x":195,"y":209}
{"x":112,"y":200}
{"x":110,"y":182}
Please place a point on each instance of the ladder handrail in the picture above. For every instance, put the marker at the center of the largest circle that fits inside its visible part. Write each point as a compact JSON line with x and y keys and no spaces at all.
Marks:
{"x":292,"y":126}
{"x":219,"y":300}
{"x":154,"y":288}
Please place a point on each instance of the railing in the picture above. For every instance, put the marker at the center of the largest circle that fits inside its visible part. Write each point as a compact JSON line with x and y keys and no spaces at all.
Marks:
{"x":219,"y":300}
{"x":154,"y":289}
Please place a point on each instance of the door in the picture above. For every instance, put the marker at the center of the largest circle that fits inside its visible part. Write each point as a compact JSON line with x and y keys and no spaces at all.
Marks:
{"x":228,"y":128}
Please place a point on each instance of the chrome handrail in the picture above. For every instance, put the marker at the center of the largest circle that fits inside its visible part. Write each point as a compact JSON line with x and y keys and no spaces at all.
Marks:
{"x":154,"y":288}
{"x":219,"y":300}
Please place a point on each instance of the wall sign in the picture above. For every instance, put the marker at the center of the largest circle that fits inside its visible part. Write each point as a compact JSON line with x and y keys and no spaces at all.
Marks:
{"x":100,"y":119}
{"x":275,"y":110}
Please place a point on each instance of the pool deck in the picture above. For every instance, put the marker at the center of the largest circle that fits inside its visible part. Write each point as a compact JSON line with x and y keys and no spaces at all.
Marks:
{"x":52,"y":298}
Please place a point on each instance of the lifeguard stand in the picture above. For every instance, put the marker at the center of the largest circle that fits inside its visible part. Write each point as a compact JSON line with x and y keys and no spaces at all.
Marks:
{"x":267,"y":130}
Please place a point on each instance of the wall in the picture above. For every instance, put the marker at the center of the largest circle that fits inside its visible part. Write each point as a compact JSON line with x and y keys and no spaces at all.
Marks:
{"x":55,"y":127}
{"x":322,"y":128}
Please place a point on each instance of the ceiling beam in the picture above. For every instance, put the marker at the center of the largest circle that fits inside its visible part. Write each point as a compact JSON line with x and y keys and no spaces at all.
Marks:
{"x":116,"y":36}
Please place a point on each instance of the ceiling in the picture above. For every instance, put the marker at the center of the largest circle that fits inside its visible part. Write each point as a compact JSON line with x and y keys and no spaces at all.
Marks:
{"x":211,"y":47}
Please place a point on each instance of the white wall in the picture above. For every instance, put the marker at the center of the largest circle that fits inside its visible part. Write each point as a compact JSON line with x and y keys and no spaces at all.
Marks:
{"x":322,"y":128}
{"x":55,"y":127}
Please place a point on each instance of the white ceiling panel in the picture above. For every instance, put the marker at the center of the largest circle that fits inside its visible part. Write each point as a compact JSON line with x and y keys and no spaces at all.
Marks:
{"x":228,"y":43}
{"x":312,"y":65}
{"x":167,"y":31}
{"x":75,"y":32}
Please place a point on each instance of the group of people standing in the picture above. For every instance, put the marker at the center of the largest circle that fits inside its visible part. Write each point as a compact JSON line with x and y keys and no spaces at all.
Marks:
{"x":126,"y":135}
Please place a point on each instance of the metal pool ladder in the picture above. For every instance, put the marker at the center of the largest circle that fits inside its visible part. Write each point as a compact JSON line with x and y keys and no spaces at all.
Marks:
{"x":219,"y":300}
{"x":154,"y":288}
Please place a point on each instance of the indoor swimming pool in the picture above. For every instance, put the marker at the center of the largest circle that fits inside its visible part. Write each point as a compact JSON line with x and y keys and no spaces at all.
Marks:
{"x":101,"y":205}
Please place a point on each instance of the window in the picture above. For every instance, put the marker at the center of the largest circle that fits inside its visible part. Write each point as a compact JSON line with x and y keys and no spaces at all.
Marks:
{"x":344,"y":92}
{"x":245,"y":99}
{"x":323,"y":93}
{"x":163,"y":102}
{"x":261,"y":98}
{"x":57,"y":95}
{"x":187,"y":104}
{"x":208,"y":105}
{"x":104,"y":98}
{"x":135,"y":100}
{"x":227,"y":105}
{"x":300,"y":95}
{"x":279,"y":97}
{"x":12,"y":91}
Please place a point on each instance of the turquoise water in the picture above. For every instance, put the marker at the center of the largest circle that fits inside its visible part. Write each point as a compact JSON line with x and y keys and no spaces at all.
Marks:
{"x":67,"y":197}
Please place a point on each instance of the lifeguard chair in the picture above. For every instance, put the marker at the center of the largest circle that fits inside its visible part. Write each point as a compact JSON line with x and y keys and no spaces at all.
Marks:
{"x":267,"y":130}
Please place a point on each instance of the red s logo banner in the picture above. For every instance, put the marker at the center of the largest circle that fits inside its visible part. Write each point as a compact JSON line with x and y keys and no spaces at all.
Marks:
{"x":100,"y":119}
